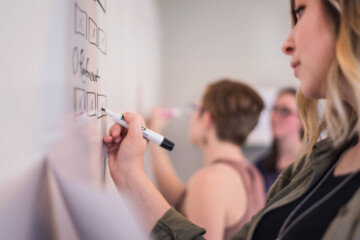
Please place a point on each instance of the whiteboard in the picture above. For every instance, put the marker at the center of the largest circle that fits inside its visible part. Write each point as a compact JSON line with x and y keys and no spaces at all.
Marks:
{"x":61,"y":62}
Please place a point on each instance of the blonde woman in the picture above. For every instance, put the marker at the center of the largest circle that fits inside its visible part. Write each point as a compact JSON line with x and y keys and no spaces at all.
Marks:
{"x":318,"y":196}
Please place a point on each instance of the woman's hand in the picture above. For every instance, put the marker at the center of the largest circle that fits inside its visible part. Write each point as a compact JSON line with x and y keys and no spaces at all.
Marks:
{"x":157,"y":120}
{"x":126,"y":149}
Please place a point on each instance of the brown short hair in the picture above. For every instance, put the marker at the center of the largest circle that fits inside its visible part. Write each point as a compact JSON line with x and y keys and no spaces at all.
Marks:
{"x":234,"y":107}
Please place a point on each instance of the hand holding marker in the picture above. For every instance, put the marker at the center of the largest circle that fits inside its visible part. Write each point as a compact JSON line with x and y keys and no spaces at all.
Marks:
{"x":147,"y":133}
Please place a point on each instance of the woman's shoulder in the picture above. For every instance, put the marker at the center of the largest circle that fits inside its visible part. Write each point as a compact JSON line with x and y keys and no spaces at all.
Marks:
{"x":218,"y":185}
{"x":212,"y":173}
{"x":220,"y":176}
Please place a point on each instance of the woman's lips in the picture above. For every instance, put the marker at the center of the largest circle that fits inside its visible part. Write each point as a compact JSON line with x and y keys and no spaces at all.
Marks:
{"x":295,"y":65}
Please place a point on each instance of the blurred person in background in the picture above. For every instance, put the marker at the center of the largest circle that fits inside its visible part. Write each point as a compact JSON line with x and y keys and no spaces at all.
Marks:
{"x":227,"y":190}
{"x":287,"y":132}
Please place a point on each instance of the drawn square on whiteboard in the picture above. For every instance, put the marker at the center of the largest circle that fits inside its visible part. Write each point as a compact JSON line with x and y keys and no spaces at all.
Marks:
{"x":79,"y":101}
{"x":101,"y":103}
{"x":80,"y":21}
{"x":102,"y":4}
{"x":91,"y":103}
{"x":102,"y":40}
{"x":93,"y":35}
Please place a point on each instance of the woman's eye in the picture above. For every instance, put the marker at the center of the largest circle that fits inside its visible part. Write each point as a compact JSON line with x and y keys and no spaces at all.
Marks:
{"x":299,"y":12}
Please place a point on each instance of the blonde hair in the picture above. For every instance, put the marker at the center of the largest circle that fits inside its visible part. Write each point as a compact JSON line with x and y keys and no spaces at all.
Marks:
{"x":339,"y":117}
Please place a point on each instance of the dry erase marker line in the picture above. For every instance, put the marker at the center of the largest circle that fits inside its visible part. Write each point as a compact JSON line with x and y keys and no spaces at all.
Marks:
{"x":147,"y":133}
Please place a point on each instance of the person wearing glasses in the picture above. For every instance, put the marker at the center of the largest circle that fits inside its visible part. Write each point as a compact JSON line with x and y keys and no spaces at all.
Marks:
{"x":227,"y":190}
{"x":317,"y":196}
{"x":287,"y":132}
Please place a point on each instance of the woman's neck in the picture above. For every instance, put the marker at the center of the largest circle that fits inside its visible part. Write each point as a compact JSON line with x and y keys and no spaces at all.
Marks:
{"x":216,"y":149}
{"x":288,"y":149}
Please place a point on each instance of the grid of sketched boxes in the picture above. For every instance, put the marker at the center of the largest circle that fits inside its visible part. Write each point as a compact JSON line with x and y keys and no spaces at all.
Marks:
{"x":89,"y":103}
{"x":89,"y":29}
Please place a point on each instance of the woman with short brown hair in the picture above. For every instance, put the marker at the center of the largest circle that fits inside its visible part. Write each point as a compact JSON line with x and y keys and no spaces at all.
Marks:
{"x":228,"y":189}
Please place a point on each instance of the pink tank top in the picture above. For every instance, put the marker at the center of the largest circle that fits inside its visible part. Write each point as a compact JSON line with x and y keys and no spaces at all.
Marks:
{"x":254,"y":187}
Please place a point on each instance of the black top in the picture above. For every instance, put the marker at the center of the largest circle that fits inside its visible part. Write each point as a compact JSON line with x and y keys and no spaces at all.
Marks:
{"x":269,"y":177}
{"x":314,"y":224}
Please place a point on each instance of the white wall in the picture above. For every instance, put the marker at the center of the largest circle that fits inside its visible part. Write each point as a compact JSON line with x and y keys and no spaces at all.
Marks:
{"x":204,"y":40}
{"x":52,"y":160}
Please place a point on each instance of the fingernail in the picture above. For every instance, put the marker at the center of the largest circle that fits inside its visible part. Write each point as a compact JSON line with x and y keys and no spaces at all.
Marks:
{"x":117,"y":139}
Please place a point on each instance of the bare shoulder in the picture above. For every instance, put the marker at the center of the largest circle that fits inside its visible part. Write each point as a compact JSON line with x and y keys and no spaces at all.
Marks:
{"x":218,"y":189}
{"x":219,"y":176}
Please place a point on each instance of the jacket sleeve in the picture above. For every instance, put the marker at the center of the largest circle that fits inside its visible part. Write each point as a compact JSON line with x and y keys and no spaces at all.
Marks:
{"x":174,"y":226}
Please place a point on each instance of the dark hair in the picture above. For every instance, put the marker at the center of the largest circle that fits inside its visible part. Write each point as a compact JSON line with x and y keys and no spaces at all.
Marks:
{"x":234,"y":107}
{"x":270,"y":159}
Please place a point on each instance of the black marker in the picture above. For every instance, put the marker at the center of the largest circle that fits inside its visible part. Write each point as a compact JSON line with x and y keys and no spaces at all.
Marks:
{"x":147,"y":133}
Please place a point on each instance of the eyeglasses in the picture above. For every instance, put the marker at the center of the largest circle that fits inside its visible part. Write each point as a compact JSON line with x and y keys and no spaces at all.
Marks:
{"x":196,"y":107}
{"x":283,"y":111}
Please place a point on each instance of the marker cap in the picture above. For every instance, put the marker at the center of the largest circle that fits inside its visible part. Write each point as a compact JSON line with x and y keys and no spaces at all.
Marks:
{"x":167,"y":144}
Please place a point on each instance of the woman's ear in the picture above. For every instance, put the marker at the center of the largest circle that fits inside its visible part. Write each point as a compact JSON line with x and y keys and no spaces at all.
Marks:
{"x":207,"y":120}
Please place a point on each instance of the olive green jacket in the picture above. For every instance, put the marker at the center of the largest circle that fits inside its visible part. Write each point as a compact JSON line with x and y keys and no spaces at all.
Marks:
{"x":290,"y":185}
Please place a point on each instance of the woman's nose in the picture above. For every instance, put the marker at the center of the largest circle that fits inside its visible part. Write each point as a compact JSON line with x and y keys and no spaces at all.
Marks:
{"x":288,"y":47}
